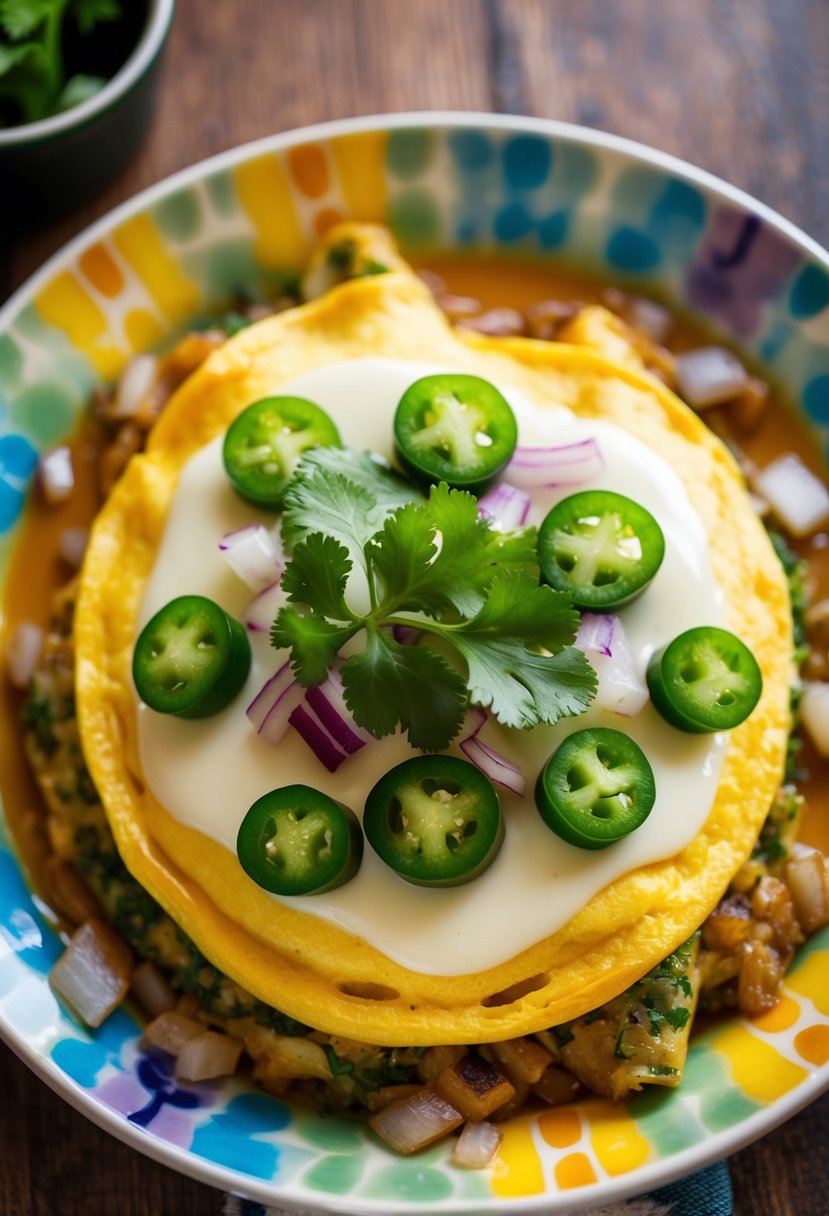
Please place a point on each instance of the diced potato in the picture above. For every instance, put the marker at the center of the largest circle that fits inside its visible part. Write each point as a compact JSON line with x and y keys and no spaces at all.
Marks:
{"x":474,"y":1087}
{"x":522,"y":1059}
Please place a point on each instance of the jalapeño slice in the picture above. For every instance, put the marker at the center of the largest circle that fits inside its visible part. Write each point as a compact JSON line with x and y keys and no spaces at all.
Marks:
{"x":601,"y":547}
{"x":191,"y":659}
{"x":596,"y":788}
{"x":298,"y":841}
{"x":453,"y":428}
{"x":704,"y":680}
{"x":435,"y":820}
{"x":265,"y":443}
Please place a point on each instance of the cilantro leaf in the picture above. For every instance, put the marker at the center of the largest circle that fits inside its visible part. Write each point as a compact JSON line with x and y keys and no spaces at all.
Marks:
{"x":314,"y":642}
{"x":523,"y":687}
{"x":417,"y":572}
{"x":89,"y":13}
{"x":77,"y":89}
{"x":317,"y":576}
{"x":345,"y":493}
{"x":386,"y":684}
{"x":19,"y":18}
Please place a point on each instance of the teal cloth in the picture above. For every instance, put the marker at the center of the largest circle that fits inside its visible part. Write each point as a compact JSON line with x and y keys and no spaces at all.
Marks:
{"x":706,"y":1193}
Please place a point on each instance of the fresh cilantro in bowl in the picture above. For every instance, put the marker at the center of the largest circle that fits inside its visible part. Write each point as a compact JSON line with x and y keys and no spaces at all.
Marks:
{"x":42,"y":56}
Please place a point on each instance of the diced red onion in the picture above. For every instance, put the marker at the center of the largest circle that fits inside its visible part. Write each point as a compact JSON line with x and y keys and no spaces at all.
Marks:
{"x":55,"y":475}
{"x":72,"y":545}
{"x":570,"y":464}
{"x":325,"y":723}
{"x":495,"y":766}
{"x":621,"y":690}
{"x":491,"y":763}
{"x":325,"y":748}
{"x":327,"y":700}
{"x":93,"y":973}
{"x":271,"y":708}
{"x":406,"y":635}
{"x":808,"y":882}
{"x":505,"y":506}
{"x":254,"y":554}
{"x":261,"y":612}
{"x":22,"y":653}
{"x":814,"y":713}
{"x":709,"y":375}
{"x":416,"y":1121}
{"x":137,"y":378}
{"x":151,"y":990}
{"x":477,"y":1145}
{"x":798,"y":498}
{"x":210,"y":1055}
{"x":596,"y":633}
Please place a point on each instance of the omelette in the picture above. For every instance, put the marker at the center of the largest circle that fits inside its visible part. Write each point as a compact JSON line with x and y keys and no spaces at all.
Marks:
{"x":332,"y":970}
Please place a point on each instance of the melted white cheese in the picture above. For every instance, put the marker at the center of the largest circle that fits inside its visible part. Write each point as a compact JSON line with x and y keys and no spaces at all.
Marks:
{"x":207,"y":773}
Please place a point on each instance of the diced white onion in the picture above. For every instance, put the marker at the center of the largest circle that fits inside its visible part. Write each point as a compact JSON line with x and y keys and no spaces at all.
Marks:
{"x":55,"y":475}
{"x":814,"y":714}
{"x":210,"y":1055}
{"x":621,"y":689}
{"x":709,"y":375}
{"x":137,"y":378}
{"x":72,"y":545}
{"x":596,"y":632}
{"x":151,"y":990}
{"x":477,"y":1145}
{"x":23,"y":652}
{"x":261,"y":612}
{"x":798,"y":498}
{"x":570,"y":464}
{"x":649,"y":317}
{"x":93,"y":973}
{"x":505,"y":506}
{"x":254,"y":554}
{"x":808,"y":882}
{"x":416,"y":1121}
{"x":171,"y":1030}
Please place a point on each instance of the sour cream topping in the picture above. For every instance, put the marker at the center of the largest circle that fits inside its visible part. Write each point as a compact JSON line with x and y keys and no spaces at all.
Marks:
{"x":208,"y":772}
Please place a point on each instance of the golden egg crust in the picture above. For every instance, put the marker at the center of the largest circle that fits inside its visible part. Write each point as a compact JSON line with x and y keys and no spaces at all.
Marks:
{"x":307,"y":967}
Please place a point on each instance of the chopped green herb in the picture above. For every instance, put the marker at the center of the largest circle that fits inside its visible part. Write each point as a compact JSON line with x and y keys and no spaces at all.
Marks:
{"x":338,"y":1067}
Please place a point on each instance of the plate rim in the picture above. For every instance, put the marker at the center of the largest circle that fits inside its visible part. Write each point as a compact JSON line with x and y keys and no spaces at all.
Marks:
{"x":655,"y":1173}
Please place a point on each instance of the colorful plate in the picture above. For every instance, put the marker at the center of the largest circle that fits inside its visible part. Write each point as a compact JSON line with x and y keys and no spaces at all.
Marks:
{"x":239,"y":221}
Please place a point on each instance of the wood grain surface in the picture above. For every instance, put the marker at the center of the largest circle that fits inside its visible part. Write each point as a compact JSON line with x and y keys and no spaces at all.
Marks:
{"x":740,"y":87}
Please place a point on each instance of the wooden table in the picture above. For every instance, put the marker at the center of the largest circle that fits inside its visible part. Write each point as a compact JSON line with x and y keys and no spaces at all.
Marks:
{"x":740,"y":88}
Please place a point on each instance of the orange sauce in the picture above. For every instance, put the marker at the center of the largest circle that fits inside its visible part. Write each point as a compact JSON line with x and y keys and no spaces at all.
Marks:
{"x":36,"y":570}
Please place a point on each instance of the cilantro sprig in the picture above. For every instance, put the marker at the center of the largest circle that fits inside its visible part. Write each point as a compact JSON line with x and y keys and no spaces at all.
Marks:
{"x":34,"y":83}
{"x":369,"y":554}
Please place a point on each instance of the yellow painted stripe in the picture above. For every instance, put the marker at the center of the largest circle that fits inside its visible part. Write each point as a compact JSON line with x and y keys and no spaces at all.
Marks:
{"x":574,"y":1170}
{"x":142,"y":329}
{"x":143,"y":249}
{"x":65,"y":304}
{"x":265,"y":193}
{"x":517,"y":1169}
{"x":360,"y":161}
{"x":760,"y":1071}
{"x":811,"y":979}
{"x":617,"y":1143}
